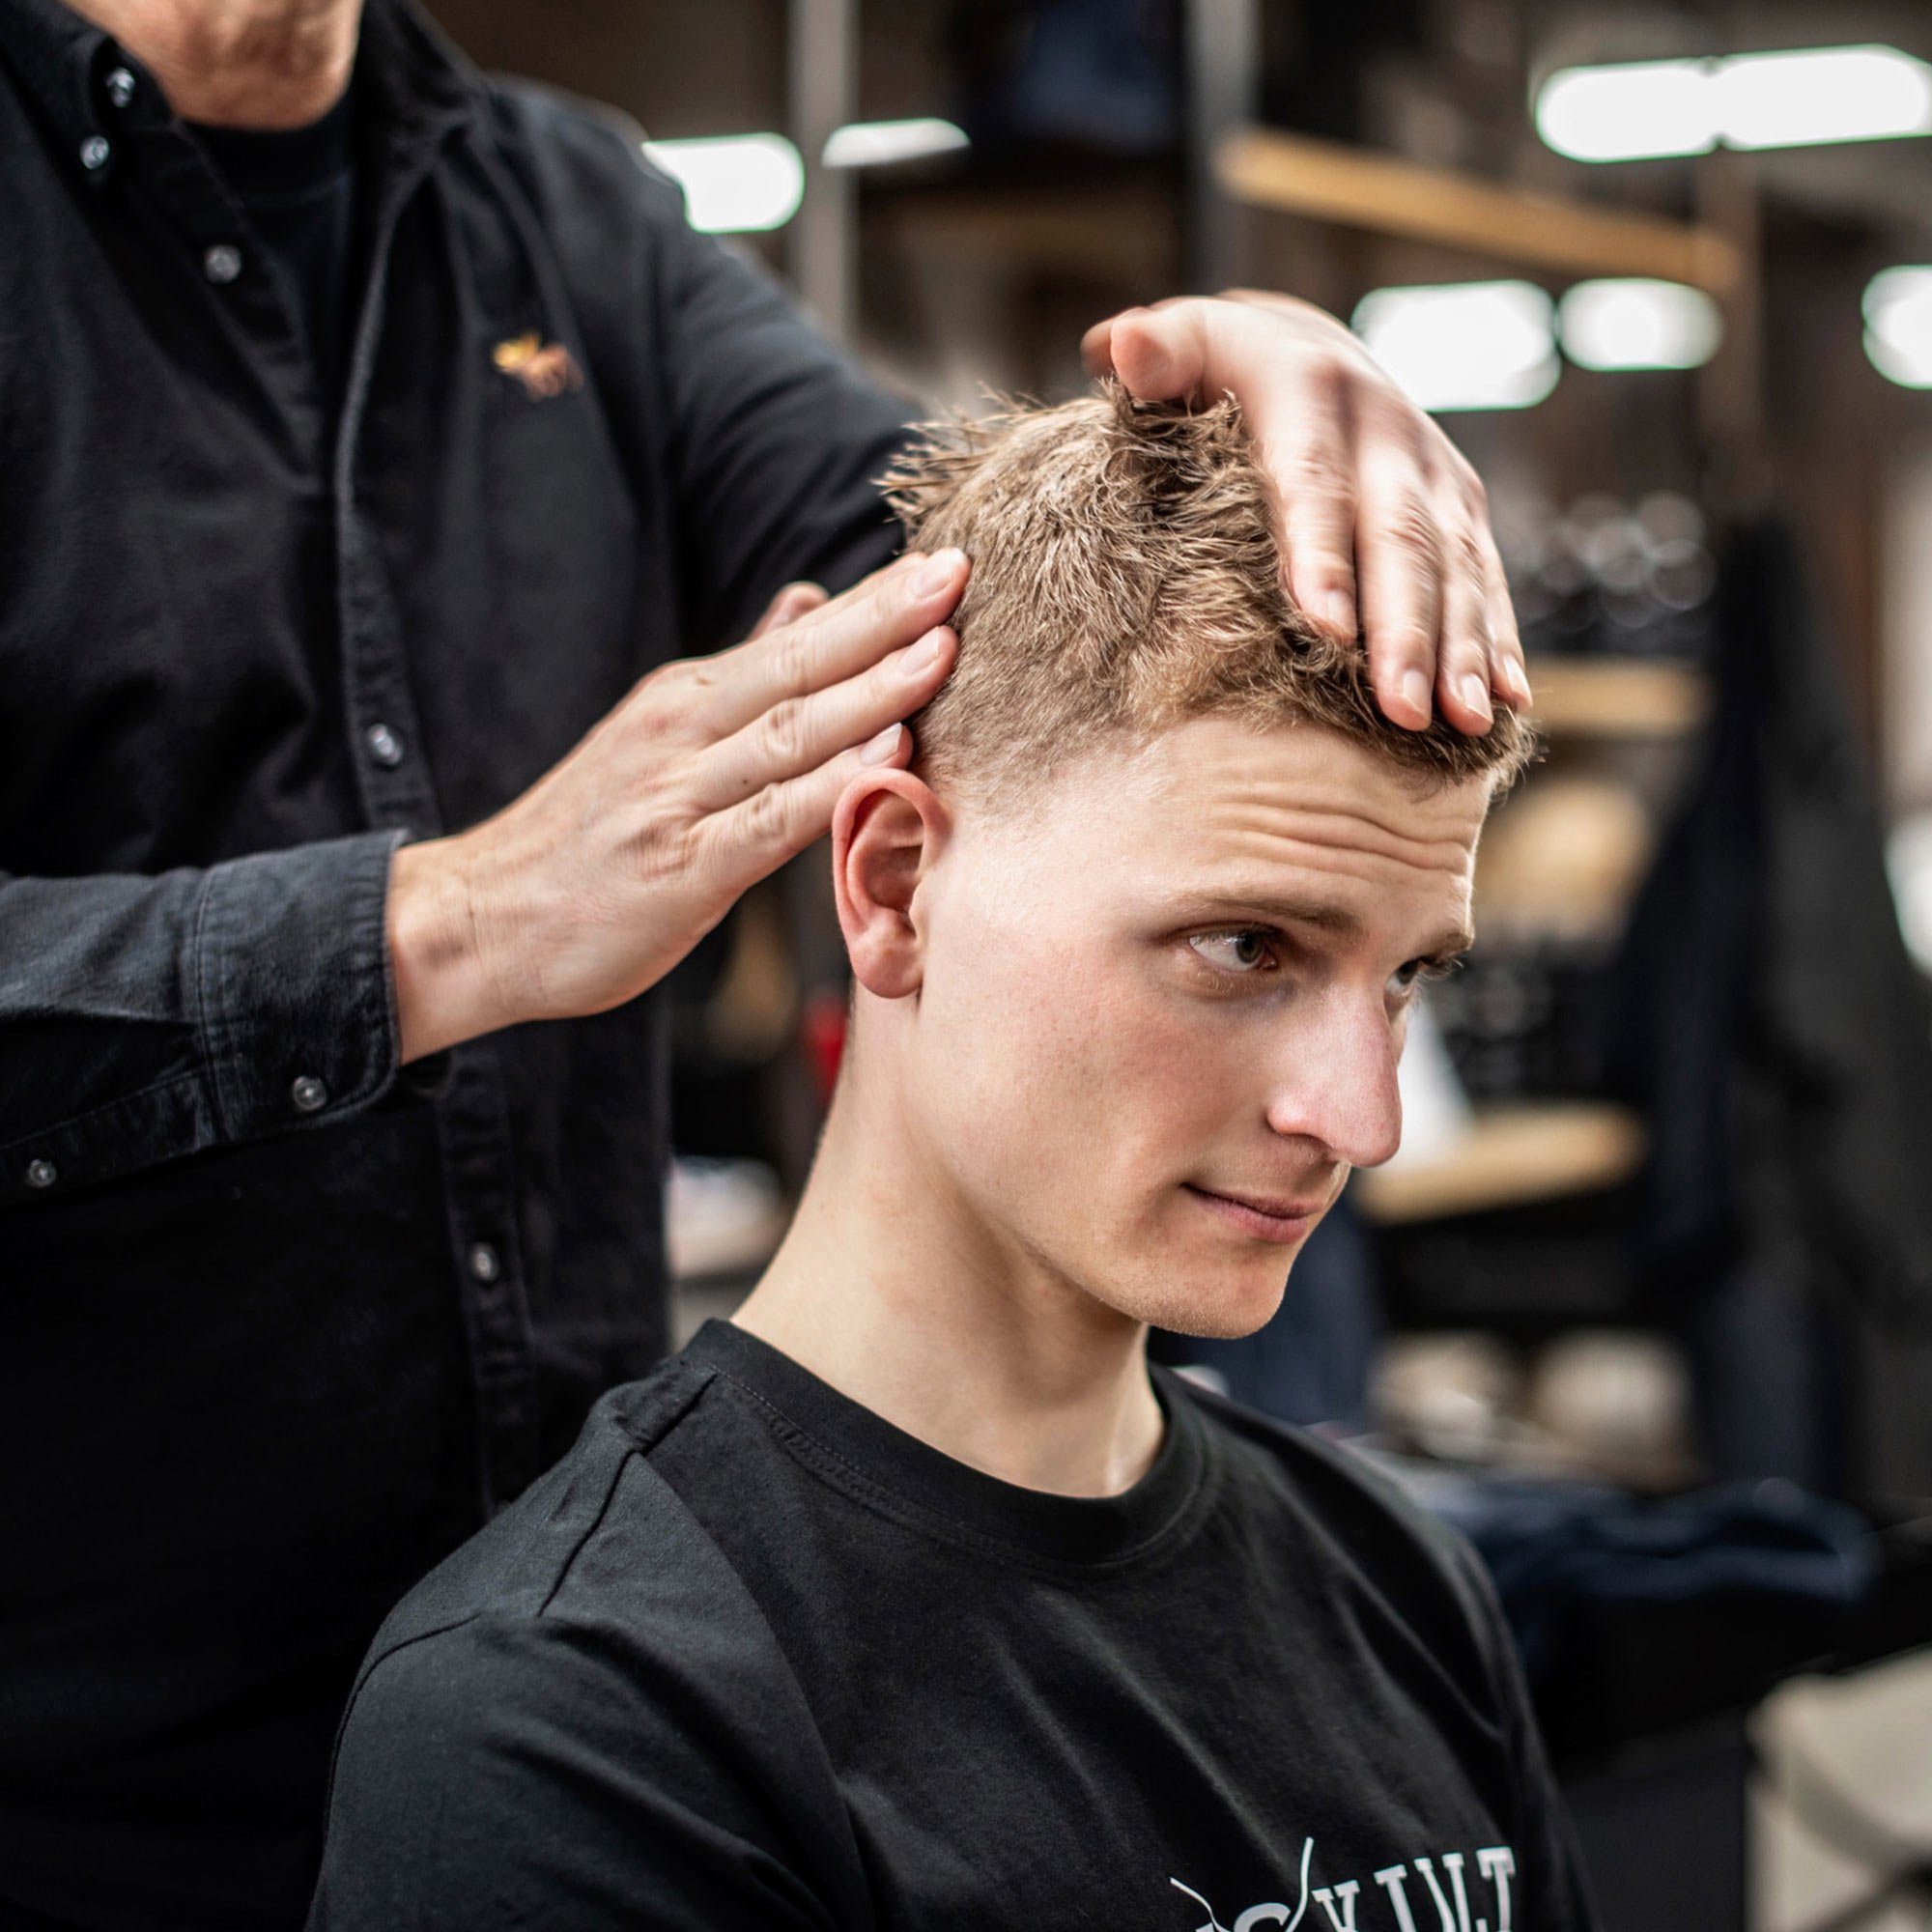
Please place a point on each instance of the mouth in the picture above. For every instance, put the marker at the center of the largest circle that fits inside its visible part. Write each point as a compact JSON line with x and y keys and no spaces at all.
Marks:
{"x":1267,"y":1219}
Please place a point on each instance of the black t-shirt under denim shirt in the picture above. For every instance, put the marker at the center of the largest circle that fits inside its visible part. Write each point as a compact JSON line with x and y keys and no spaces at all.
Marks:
{"x":752,"y":1657}
{"x":297,"y":186}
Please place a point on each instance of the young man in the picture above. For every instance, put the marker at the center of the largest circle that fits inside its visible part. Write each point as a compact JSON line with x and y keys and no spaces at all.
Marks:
{"x":913,"y":1597}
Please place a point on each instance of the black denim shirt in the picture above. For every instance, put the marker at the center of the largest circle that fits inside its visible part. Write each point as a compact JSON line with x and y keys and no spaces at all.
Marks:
{"x":281,"y":1328}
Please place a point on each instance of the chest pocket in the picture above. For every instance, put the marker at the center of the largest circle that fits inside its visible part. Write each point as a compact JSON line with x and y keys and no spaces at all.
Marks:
{"x":557,"y":503}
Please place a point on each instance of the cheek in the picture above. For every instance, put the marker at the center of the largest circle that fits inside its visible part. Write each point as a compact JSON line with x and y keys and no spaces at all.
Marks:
{"x":1051,"y":1071}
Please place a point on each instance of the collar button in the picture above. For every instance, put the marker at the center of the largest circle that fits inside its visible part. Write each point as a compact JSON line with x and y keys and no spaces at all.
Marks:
{"x":223,"y":263}
{"x":120,"y":85}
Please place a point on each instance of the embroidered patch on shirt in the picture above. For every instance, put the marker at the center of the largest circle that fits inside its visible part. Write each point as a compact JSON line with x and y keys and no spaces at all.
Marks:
{"x":543,"y":368}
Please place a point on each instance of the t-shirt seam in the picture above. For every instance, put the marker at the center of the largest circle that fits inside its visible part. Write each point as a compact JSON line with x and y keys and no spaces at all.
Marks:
{"x":639,"y":1445}
{"x":826,"y":1463}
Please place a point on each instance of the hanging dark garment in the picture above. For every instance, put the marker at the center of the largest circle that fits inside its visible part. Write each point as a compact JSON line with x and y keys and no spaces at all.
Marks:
{"x":1770,"y":1024}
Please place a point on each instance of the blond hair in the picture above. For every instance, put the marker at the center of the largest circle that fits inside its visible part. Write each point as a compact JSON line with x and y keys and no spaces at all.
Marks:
{"x":1127,"y":577}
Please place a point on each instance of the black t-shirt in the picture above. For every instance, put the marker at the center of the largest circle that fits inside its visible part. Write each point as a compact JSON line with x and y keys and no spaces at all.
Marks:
{"x":751,"y":1657}
{"x":297,"y":187}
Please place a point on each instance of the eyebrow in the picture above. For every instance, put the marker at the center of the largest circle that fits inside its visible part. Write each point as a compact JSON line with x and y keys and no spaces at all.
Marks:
{"x":1334,"y":918}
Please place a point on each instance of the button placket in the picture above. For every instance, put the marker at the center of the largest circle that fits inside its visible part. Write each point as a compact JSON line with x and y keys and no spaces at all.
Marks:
{"x":473,"y":1112}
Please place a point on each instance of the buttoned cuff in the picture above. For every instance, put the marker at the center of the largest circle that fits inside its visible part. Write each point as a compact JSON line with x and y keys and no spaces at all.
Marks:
{"x":297,"y":1002}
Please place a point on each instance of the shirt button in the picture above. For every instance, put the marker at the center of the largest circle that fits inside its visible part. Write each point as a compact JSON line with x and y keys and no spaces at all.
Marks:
{"x":223,"y":263}
{"x":94,"y":151}
{"x":385,"y":747}
{"x":484,"y":1262}
{"x":308,"y":1093}
{"x":41,"y":1174}
{"x":120,"y":85}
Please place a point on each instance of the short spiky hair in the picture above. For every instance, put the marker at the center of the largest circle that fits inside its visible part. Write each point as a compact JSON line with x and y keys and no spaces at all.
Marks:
{"x":1125,"y":577}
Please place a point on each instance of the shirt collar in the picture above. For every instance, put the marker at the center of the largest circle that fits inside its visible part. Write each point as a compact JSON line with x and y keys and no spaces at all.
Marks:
{"x":62,"y":60}
{"x":412,"y":82}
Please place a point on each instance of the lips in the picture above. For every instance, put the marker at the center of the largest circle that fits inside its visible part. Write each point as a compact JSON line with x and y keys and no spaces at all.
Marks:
{"x":1240,"y":1213}
{"x":1264,"y":1204}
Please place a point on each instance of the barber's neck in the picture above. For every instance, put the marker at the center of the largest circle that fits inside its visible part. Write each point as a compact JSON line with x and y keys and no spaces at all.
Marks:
{"x":891,"y":1288}
{"x":266,"y":64}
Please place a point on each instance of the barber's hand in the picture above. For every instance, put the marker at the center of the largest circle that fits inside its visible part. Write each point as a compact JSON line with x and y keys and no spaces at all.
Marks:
{"x":1383,"y":522}
{"x":710,"y":774}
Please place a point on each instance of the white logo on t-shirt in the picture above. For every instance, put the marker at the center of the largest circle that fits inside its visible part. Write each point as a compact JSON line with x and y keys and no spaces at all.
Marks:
{"x":1338,"y":1900}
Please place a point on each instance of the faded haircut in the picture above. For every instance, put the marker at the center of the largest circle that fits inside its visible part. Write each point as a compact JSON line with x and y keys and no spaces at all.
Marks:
{"x":1125,"y":578}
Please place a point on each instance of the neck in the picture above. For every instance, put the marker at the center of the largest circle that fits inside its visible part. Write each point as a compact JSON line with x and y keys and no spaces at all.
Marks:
{"x":889,"y":1288}
{"x":266,"y":64}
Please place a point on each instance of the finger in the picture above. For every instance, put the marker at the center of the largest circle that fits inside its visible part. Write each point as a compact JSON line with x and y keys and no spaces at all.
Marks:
{"x":1400,"y":576}
{"x":799,"y":734}
{"x":844,"y":638}
{"x":1095,"y":354}
{"x":1313,"y":475}
{"x":791,"y":604}
{"x":1510,"y":671}
{"x":1161,"y":353}
{"x":1462,"y":670}
{"x":778,"y":822}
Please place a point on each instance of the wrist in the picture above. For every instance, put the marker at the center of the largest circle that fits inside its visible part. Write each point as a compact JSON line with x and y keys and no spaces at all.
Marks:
{"x":444,"y":990}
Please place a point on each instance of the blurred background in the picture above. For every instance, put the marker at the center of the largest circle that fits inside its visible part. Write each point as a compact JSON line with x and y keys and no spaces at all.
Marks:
{"x":1645,"y":1304}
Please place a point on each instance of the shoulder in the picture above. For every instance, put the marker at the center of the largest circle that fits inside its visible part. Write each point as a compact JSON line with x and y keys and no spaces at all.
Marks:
{"x":1412,"y":1568}
{"x":584,"y":1598}
{"x":549,"y":1555}
{"x":579,"y":152}
{"x":583,"y":1698}
{"x":585,"y":1676}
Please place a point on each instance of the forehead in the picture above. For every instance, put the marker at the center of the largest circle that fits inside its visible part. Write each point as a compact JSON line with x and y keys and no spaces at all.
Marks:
{"x":1296,"y":811}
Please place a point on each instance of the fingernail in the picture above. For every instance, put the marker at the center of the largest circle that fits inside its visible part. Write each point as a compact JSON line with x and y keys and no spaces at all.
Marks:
{"x":920,"y":657}
{"x":1341,"y":609}
{"x":1414,"y":688}
{"x":876,"y":750}
{"x":1519,"y":684}
{"x":1475,"y":695}
{"x":937,"y":571}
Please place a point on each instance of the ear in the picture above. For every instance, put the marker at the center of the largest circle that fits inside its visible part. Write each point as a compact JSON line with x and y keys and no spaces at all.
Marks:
{"x":888,"y":829}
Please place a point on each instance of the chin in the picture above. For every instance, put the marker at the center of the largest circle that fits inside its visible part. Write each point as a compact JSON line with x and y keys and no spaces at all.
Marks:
{"x":1222,"y":1307}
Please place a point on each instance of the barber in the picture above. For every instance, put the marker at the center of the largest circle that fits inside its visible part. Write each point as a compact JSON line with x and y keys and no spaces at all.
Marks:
{"x":377,"y":446}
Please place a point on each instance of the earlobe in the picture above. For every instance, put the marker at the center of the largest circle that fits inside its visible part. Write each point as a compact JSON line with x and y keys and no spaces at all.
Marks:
{"x":887,"y":832}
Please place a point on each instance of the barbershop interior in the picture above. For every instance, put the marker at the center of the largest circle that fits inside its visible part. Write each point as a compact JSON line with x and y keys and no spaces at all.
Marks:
{"x":1644,"y":1302}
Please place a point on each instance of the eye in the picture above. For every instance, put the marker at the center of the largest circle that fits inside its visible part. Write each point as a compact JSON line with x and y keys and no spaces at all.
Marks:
{"x":1243,"y":951}
{"x":1405,"y":980}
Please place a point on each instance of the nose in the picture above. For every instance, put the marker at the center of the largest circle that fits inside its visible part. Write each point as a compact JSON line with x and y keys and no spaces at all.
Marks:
{"x":1335,"y":1080}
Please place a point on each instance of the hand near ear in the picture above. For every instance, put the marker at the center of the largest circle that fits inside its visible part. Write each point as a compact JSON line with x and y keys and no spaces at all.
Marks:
{"x":710,"y":774}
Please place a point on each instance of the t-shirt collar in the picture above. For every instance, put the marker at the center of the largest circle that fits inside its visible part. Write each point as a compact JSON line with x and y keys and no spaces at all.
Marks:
{"x":834,"y":1435}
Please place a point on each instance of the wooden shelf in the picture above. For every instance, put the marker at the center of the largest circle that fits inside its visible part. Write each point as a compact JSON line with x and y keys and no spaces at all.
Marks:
{"x":1121,"y":231}
{"x":1627,"y":698}
{"x":1511,"y":1157}
{"x":1387,"y":195}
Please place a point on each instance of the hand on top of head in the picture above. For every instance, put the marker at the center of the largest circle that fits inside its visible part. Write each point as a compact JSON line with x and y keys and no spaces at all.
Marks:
{"x":1383,"y":524}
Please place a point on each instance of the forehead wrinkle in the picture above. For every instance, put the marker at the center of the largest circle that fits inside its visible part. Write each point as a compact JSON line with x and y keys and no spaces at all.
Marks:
{"x":1314,"y":830}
